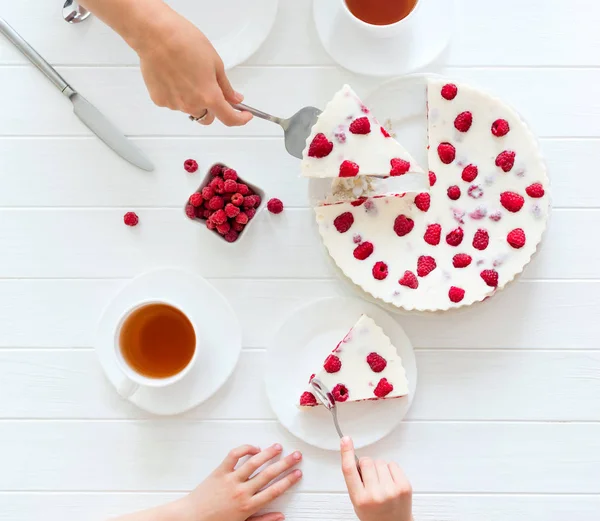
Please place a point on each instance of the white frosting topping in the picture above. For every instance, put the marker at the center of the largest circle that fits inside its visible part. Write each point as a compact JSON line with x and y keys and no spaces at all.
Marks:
{"x":373,"y":221}
{"x":355,"y":374}
{"x":372,"y":152}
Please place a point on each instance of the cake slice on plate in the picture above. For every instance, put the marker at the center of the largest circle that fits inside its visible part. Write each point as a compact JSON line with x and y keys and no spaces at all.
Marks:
{"x":347,"y":141}
{"x":364,"y":366}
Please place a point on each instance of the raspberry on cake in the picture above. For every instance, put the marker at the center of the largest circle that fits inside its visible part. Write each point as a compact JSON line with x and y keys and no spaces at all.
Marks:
{"x":367,"y":367}
{"x":347,"y":141}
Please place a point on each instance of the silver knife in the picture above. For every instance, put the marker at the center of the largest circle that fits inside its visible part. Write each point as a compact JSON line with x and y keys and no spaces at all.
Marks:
{"x":82,"y":108}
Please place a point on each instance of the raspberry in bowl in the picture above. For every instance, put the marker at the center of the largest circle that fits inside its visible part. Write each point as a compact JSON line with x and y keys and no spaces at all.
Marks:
{"x":225,"y":203}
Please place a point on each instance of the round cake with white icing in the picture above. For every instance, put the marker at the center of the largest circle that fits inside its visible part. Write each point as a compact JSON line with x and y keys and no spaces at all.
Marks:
{"x":472,"y":233}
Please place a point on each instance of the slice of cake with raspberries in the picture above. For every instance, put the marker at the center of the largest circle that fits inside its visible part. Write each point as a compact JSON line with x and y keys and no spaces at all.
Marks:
{"x":472,"y":233}
{"x":347,"y":140}
{"x":364,"y":366}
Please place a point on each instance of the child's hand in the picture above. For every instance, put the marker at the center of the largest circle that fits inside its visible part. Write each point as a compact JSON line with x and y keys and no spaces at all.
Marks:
{"x":383,"y":494}
{"x":231,"y":494}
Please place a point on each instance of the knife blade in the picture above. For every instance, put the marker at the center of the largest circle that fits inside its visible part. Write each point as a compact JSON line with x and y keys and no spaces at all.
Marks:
{"x":83,"y":109}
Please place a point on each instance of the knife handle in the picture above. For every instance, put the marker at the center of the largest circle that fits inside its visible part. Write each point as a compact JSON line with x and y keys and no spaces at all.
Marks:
{"x":32,"y":55}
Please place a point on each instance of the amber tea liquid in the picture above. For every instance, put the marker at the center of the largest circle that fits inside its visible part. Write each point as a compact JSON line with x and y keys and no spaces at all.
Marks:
{"x":157,"y":340}
{"x":381,"y":12}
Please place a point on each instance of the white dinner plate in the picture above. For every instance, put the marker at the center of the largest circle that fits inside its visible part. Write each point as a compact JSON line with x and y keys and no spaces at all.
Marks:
{"x":363,"y":53}
{"x":218,"y":330}
{"x":298,"y":350}
{"x":236,"y":28}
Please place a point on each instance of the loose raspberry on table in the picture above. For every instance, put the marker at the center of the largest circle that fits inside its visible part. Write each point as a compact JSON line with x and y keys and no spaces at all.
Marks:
{"x":496,"y":216}
{"x":461,"y":260}
{"x":237,"y":199}
{"x":475,"y":191}
{"x":308,"y":399}
{"x":511,"y":201}
{"x":536,"y":190}
{"x":243,"y":189}
{"x":409,"y":280}
{"x":516,"y":238}
{"x":332,"y":364}
{"x":425,"y":265}
{"x":208,"y":193}
{"x":216,"y":170}
{"x":432,"y":178}
{"x":363,"y":250}
{"x":231,"y":210}
{"x":380,"y":270}
{"x":219,"y":217}
{"x":348,"y":169}
{"x":275,"y":205}
{"x":455,"y":237}
{"x":449,"y":91}
{"x":446,"y":152}
{"x":238,"y":227}
{"x":340,"y":393}
{"x":506,"y":160}
{"x":403,"y":225}
{"x":215,"y":203}
{"x":385,"y":132}
{"x":218,"y":185}
{"x":456,"y":294}
{"x":231,"y":236}
{"x":229,"y":174}
{"x":250,"y":212}
{"x":454,"y":192}
{"x":376,"y":362}
{"x":320,"y":146}
{"x":223,"y":228}
{"x":131,"y":219}
{"x":399,"y":167}
{"x":469,"y":173}
{"x":481,"y":239}
{"x":433,"y":234}
{"x":196,"y":199}
{"x":343,"y":222}
{"x":230,"y":186}
{"x":490,"y":277}
{"x":500,"y":127}
{"x":360,"y":126}
{"x":423,"y":201}
{"x":190,"y":211}
{"x":463,"y":121}
{"x":190,"y":165}
{"x":383,"y":388}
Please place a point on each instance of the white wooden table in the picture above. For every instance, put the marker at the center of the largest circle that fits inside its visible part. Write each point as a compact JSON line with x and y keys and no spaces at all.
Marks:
{"x":506,"y":421}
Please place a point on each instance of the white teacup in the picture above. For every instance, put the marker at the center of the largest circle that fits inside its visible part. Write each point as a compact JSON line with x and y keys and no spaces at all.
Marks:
{"x":133,"y":380}
{"x":382,"y":31}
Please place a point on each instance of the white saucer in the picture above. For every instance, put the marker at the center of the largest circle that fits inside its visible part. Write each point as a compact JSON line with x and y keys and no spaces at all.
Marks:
{"x":430,"y":32}
{"x":237,"y":28}
{"x":219,"y":333}
{"x":299,"y":349}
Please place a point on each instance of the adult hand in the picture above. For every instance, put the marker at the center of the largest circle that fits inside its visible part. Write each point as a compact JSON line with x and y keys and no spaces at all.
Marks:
{"x":383,"y":494}
{"x":183,"y":71}
{"x":235,"y":494}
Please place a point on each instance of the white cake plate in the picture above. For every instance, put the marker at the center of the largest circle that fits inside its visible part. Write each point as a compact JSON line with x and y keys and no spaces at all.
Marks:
{"x":362,"y":53}
{"x":218,"y":330}
{"x":237,"y":28}
{"x":299,"y":349}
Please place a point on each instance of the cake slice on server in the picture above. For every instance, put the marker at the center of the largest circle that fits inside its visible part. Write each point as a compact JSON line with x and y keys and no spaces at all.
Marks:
{"x":347,"y":140}
{"x":364,"y":366}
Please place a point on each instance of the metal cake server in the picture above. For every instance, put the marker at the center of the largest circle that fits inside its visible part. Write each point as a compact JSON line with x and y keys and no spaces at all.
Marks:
{"x":295,"y":129}
{"x":326,"y":398}
{"x":83,"y":109}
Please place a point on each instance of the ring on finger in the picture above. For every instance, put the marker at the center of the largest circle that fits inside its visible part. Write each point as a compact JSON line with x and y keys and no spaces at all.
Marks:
{"x":198,"y":119}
